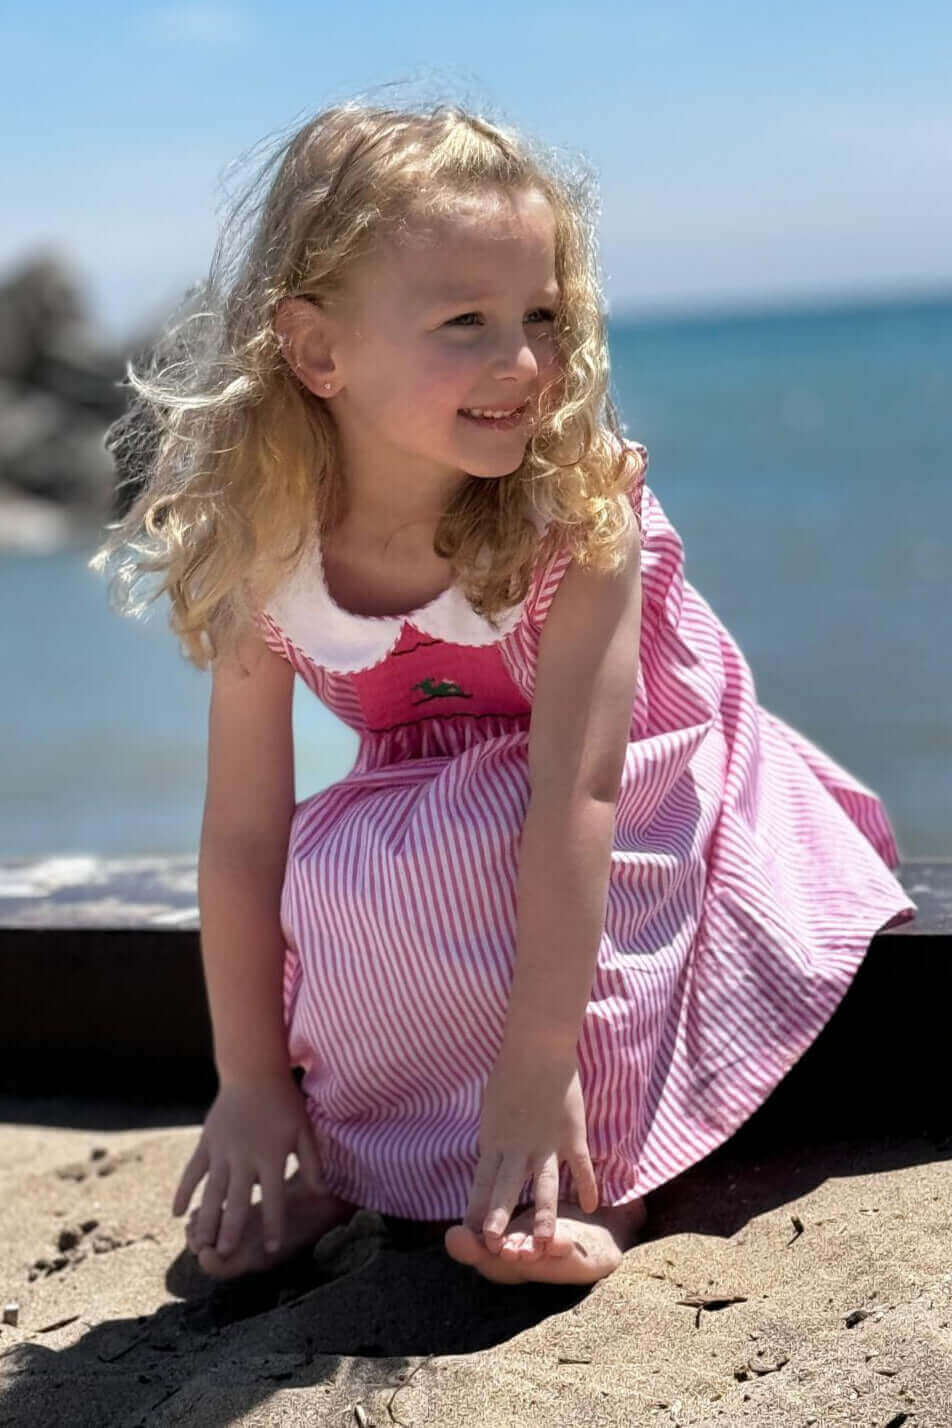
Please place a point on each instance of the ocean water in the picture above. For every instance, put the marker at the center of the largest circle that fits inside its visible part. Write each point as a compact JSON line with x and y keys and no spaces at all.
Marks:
{"x":804,"y":458}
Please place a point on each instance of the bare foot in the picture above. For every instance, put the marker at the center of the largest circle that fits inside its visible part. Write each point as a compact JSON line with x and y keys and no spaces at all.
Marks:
{"x":584,"y":1248}
{"x":307,"y":1216}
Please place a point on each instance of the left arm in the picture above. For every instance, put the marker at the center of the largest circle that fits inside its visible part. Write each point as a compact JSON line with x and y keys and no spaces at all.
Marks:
{"x":585,"y":688}
{"x":585,"y":684}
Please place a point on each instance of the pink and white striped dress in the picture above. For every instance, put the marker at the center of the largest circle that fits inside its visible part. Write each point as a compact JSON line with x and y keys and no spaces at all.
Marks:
{"x":749,"y":873}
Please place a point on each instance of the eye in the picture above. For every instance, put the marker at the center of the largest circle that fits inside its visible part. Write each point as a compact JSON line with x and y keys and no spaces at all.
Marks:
{"x":544,"y":314}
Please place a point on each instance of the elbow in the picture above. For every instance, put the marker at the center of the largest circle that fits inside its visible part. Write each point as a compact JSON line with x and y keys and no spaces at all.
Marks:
{"x":558,"y":799}
{"x":606,"y":790}
{"x":592,"y":780}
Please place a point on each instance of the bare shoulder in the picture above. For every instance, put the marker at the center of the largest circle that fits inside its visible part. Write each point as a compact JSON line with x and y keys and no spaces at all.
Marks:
{"x":250,"y":788}
{"x":583,"y":591}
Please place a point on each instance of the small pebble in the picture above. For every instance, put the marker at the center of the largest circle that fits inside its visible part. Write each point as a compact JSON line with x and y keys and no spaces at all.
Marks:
{"x":75,"y":1171}
{"x":11,"y":1313}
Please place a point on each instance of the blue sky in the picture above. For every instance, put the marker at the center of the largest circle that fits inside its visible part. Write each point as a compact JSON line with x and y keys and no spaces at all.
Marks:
{"x":746,"y":153}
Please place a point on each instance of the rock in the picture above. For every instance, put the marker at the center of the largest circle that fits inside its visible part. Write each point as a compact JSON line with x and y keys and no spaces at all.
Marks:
{"x":40,"y":308}
{"x":28,"y":523}
{"x":30,"y":416}
{"x":69,"y":465}
{"x":60,"y":389}
{"x":74,"y":1171}
{"x":92,"y":383}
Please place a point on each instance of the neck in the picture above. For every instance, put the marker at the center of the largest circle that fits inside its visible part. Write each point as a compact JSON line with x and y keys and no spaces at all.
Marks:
{"x":391,"y":496}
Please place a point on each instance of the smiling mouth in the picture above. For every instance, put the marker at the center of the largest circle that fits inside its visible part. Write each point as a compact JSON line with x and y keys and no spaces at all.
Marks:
{"x":495,"y":417}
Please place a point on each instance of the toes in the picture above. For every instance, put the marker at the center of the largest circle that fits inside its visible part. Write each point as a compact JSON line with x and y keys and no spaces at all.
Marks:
{"x":557,"y":1245}
{"x":561,"y":1243}
{"x":220,"y":1266}
{"x":577,"y":1253}
{"x":512,"y":1246}
{"x":466,"y":1247}
{"x":463,"y":1245}
{"x":532,"y":1249}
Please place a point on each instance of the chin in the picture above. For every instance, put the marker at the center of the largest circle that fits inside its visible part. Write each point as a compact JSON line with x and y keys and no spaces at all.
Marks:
{"x":494,"y":470}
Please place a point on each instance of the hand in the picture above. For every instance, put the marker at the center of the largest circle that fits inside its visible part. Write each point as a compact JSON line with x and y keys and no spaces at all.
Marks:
{"x":533,"y":1117}
{"x":248,"y":1133}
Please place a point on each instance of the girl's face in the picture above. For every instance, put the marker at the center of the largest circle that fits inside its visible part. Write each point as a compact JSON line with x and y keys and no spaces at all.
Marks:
{"x":454,"y":315}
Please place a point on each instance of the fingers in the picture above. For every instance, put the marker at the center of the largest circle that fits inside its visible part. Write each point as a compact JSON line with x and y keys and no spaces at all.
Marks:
{"x":209,"y":1214}
{"x":495,"y":1194}
{"x":509,"y":1180}
{"x":236,"y":1209}
{"x":481,"y":1192}
{"x":585,"y":1182}
{"x":271,"y":1179}
{"x":309,"y":1160}
{"x":546,"y":1193}
{"x":196,"y":1167}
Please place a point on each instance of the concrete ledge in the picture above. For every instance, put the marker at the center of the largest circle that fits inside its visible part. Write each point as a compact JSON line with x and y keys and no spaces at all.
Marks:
{"x":101,"y":992}
{"x":101,"y":986}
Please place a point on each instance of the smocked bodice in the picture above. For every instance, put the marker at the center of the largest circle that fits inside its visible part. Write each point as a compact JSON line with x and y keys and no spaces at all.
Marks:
{"x":428,"y":683}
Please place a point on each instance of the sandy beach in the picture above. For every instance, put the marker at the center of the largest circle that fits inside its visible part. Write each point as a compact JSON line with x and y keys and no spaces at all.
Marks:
{"x":774,"y":1285}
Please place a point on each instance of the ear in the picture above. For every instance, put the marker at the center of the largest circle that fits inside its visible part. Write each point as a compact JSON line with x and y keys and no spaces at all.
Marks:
{"x":303,"y":332}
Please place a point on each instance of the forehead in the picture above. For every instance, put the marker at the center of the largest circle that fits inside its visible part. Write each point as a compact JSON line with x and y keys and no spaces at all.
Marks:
{"x":483,"y":241}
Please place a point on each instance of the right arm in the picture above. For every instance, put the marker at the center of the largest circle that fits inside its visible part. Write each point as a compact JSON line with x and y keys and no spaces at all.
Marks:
{"x":249,"y":802}
{"x":259,"y":1114}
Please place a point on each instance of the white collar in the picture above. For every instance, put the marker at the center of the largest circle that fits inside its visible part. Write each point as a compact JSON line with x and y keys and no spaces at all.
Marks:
{"x":343,"y":642}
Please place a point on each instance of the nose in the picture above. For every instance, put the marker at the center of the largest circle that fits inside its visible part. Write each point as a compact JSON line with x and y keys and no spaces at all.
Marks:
{"x":514,"y":359}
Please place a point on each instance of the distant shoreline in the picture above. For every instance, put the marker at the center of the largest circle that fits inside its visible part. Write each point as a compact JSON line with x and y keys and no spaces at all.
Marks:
{"x":810,"y":306}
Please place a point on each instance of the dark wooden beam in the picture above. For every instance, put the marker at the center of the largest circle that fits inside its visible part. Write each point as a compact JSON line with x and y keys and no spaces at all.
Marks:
{"x":101,"y":992}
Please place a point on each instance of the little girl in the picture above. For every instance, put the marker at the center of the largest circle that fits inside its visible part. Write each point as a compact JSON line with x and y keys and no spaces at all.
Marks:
{"x":581,"y":902}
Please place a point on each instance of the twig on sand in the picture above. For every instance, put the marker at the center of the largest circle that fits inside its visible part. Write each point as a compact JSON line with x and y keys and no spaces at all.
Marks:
{"x":390,"y":1413}
{"x":705,"y":1301}
{"x":798,"y":1229}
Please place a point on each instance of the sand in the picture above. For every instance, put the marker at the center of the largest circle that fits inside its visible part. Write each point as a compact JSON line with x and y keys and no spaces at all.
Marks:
{"x":773,"y":1286}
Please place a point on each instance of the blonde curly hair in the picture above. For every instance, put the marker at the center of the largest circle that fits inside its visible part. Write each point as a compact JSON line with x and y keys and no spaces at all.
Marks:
{"x":235,"y":460}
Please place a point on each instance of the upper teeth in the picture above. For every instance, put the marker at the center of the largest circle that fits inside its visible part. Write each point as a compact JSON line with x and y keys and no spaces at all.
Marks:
{"x":484,"y":411}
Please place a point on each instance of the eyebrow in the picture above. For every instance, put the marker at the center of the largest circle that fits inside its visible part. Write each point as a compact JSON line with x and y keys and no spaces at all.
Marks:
{"x":449,"y":297}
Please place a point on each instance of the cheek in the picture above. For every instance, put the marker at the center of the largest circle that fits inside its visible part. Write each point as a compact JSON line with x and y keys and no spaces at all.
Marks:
{"x":548,"y":356}
{"x":445,"y":379}
{"x":551,"y":369}
{"x":403,"y":385}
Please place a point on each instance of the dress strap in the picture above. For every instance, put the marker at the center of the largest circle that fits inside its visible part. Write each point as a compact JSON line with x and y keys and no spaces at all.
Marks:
{"x":272,"y":634}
